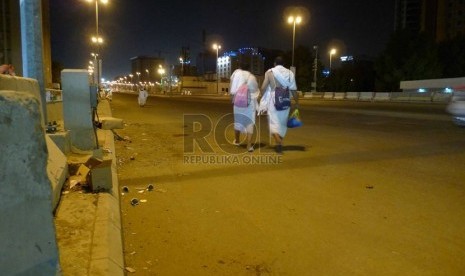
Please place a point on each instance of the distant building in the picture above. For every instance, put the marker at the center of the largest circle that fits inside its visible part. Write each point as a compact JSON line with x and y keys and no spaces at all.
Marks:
{"x":230,"y":61}
{"x":145,"y":68}
{"x":441,"y":19}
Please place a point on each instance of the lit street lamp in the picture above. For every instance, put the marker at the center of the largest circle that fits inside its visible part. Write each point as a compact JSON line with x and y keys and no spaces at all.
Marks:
{"x":331,"y":53}
{"x":217,"y":47}
{"x":138,"y":77}
{"x":161,"y":71}
{"x":293,"y":20}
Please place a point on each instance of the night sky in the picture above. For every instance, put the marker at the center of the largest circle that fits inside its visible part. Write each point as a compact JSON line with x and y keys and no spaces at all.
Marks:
{"x":149,"y":27}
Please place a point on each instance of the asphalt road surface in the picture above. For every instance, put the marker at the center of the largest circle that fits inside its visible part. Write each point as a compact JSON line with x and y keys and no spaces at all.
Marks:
{"x":361,"y":189}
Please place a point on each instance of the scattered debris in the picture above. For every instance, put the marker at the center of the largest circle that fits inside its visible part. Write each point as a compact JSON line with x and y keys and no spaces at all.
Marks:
{"x":134,"y":201}
{"x":160,"y":190}
{"x":143,"y":200}
{"x":141,"y":191}
{"x":125,"y":189}
{"x":150,"y":187}
{"x":80,"y":178}
{"x":118,"y":137}
{"x":132,"y":157}
{"x":130,"y":269}
{"x":51,"y":127}
{"x":369,"y":187}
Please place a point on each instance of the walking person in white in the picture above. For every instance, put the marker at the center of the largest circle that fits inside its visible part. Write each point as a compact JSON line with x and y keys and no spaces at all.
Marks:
{"x":278,"y":76}
{"x":142,"y":96}
{"x":244,"y":114}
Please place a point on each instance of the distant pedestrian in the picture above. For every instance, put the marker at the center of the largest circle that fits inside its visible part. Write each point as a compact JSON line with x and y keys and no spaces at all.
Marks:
{"x":142,"y":99}
{"x":244,"y":91}
{"x":109,"y":94}
{"x":277,"y":86}
{"x":7,"y":69}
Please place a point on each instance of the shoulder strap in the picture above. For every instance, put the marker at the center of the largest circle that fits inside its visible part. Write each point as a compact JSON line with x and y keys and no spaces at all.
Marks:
{"x":274,"y":80}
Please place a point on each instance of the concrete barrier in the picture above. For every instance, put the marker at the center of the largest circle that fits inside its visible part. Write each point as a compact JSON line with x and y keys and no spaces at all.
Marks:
{"x":27,"y":244}
{"x":339,"y":95}
{"x":382,"y":96}
{"x":441,"y":97}
{"x":352,"y":96}
{"x":24,"y":85}
{"x":77,"y":110}
{"x":328,"y":95}
{"x":313,"y":95}
{"x":411,"y":97}
{"x":365,"y":96}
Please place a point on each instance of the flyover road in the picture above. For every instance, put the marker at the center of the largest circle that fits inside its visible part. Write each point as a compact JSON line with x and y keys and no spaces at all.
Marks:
{"x":361,"y":189}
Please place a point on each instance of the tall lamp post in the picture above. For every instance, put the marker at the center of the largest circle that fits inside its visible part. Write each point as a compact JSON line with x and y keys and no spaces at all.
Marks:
{"x":161,"y":71}
{"x":315,"y":66}
{"x":331,"y":53}
{"x":97,"y":39}
{"x":132,"y":83}
{"x":95,"y":65}
{"x":148,"y":74}
{"x":181,"y":60}
{"x":217,"y":47}
{"x":293,"y":20}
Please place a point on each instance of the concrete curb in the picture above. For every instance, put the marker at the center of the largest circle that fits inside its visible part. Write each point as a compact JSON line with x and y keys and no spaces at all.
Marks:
{"x":107,"y":256}
{"x":88,"y":225}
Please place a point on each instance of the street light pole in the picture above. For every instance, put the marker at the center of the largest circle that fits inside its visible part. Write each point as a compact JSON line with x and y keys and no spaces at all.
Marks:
{"x":98,"y":40}
{"x":217,"y":47}
{"x":331,"y":53}
{"x":315,"y":66}
{"x":182,"y":73}
{"x":161,"y":71}
{"x":293,"y":20}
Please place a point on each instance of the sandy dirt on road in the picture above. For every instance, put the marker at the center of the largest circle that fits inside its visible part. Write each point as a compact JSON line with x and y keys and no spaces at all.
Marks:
{"x":185,"y":225}
{"x":352,"y":202}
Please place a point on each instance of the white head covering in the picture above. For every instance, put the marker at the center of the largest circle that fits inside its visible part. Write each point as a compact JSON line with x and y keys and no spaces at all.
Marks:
{"x":284,"y":76}
{"x":238,"y":78}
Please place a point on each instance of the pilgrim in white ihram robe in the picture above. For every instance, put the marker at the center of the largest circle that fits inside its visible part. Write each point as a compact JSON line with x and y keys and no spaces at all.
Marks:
{"x":244,"y":117}
{"x":142,"y":97}
{"x":277,"y":119}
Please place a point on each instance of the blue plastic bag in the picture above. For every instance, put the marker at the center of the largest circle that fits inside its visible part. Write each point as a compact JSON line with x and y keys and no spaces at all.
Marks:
{"x":294,"y":120}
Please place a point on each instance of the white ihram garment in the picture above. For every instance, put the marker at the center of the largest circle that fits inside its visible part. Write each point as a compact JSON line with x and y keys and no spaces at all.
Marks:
{"x":142,"y":97}
{"x":277,"y":119}
{"x":244,"y":117}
